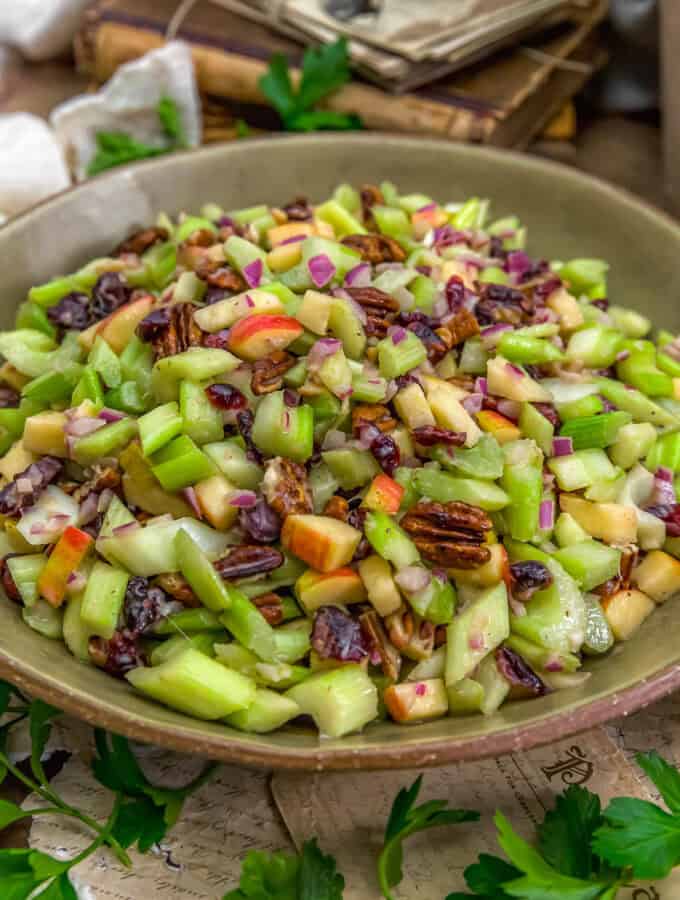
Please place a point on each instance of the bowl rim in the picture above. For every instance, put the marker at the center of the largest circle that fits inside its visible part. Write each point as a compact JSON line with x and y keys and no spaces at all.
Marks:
{"x":430,"y":752}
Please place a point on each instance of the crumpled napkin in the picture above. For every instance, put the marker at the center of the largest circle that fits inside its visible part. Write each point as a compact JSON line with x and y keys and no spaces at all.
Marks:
{"x":32,"y":166}
{"x":40,"y":29}
{"x":128,"y":102}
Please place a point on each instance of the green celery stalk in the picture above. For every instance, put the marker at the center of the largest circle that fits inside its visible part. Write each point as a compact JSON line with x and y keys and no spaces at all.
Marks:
{"x":630,"y":322}
{"x":180,"y":464}
{"x":667,"y":364}
{"x":533,"y":424}
{"x":52,"y":291}
{"x":126,"y":397}
{"x":190,"y":224}
{"x":231,"y":459}
{"x":523,"y":481}
{"x":528,"y":350}
{"x":279,"y":430}
{"x":210,"y":589}
{"x":104,"y":442}
{"x":632,"y":443}
{"x":584,"y":406}
{"x":341,"y":219}
{"x":583,"y":274}
{"x":390,"y":221}
{"x":160,"y":262}
{"x":665,"y":452}
{"x":640,"y":371}
{"x":189,"y":621}
{"x":589,"y":562}
{"x":104,"y":361}
{"x":203,"y":641}
{"x":368,"y":390}
{"x":473,"y":357}
{"x":595,"y":431}
{"x":436,"y":602}
{"x":493,"y":275}
{"x":297,"y":375}
{"x":595,"y":346}
{"x":389,"y":540}
{"x":195,"y":364}
{"x":484,"y":460}
{"x":136,"y":364}
{"x":641,"y":408}
{"x":249,"y":627}
{"x":88,"y":388}
{"x":201,"y":420}
{"x":240,"y":253}
{"x":348,"y":197}
{"x":53,"y":387}
{"x":398,"y":359}
{"x":103,"y":599}
{"x":25,"y":571}
{"x":30,"y":315}
{"x":159,"y":426}
{"x":443,"y":488}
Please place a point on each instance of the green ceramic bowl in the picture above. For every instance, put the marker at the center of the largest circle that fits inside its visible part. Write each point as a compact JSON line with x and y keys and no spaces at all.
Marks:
{"x":568,"y":215}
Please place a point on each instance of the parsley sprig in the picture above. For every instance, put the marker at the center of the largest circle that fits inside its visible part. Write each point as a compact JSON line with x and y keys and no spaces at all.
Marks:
{"x":324,"y":70}
{"x":114,"y":148}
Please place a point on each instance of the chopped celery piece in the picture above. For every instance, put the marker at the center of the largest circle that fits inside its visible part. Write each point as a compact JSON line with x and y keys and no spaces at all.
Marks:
{"x":640,"y":370}
{"x":493,"y":275}
{"x":528,"y":350}
{"x":204,"y":642}
{"x":368,"y":390}
{"x":473,"y":358}
{"x":193,"y":223}
{"x":665,"y":452}
{"x":231,"y":459}
{"x":340,"y":701}
{"x":475,"y":632}
{"x":608,"y":490}
{"x":25,"y":571}
{"x":539,"y":658}
{"x":484,"y":460}
{"x":630,"y":322}
{"x":589,"y":562}
{"x":590,"y":405}
{"x":189,"y":621}
{"x":595,"y":346}
{"x":396,"y":359}
{"x":127,"y":398}
{"x":348,"y":197}
{"x":472,"y":214}
{"x":595,"y":431}
{"x":52,"y":387}
{"x":45,"y":619}
{"x":533,"y":424}
{"x":248,"y":214}
{"x":351,"y":468}
{"x":160,"y":263}
{"x":210,"y":589}
{"x":88,"y":388}
{"x":598,"y":634}
{"x":582,"y":468}
{"x":495,"y":686}
{"x":465,"y":697}
{"x":104,"y":361}
{"x":279,"y":430}
{"x":193,"y":683}
{"x":249,"y":627}
{"x":389,"y":540}
{"x":292,"y":640}
{"x":105,"y":441}
{"x":442,"y":487}
{"x":641,"y":408}
{"x":567,"y":531}
{"x":345,"y":325}
{"x":392,"y":222}
{"x":75,"y":633}
{"x":159,"y":426}
{"x":411,"y":203}
{"x":180,"y":464}
{"x":201,"y":421}
{"x":583,"y":274}
{"x":523,"y":481}
{"x":30,"y":315}
{"x":340,"y":218}
{"x":103,"y":599}
{"x":436,"y":602}
{"x":195,"y":364}
{"x":52,"y":291}
{"x":632,"y":443}
{"x":667,"y":364}
{"x":267,"y":712}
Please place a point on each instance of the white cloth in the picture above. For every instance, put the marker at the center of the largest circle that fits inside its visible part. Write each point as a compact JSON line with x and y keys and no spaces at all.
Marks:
{"x":40,"y":29}
{"x":128,"y":102}
{"x":31,"y":163}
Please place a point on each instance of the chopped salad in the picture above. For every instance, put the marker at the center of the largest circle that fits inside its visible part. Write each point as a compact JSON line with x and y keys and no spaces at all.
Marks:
{"x":360,"y":459}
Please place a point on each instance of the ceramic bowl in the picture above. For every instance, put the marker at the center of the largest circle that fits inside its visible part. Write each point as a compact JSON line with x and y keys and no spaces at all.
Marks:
{"x":568,"y":215}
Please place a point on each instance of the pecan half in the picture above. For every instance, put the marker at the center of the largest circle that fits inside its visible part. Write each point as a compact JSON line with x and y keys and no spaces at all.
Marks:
{"x":268,"y":372}
{"x":376,"y":326}
{"x":375,"y":248}
{"x":372,"y":414}
{"x":286,"y":488}
{"x":461,"y":326}
{"x":622,"y":581}
{"x":247,"y":560}
{"x":180,"y":333}
{"x":140,"y":241}
{"x":202,"y":237}
{"x":390,"y":658}
{"x":410,"y":634}
{"x":373,"y":300}
{"x":449,"y":534}
{"x":298,"y":210}
{"x":178,"y":588}
{"x":337,"y":508}
{"x":500,"y":303}
{"x":271,"y":607}
{"x":371,"y":196}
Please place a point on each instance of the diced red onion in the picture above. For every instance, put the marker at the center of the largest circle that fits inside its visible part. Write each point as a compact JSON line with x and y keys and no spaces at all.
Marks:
{"x":562,"y":446}
{"x":367,"y":434}
{"x":476,"y":641}
{"x":510,"y":409}
{"x":121,"y":530}
{"x":482,"y":386}
{"x":514,"y":370}
{"x":253,"y":273}
{"x":24,"y":485}
{"x":397,"y":333}
{"x":663,"y":473}
{"x":82,"y":426}
{"x":427,"y":208}
{"x":321,"y":350}
{"x":296,"y":238}
{"x":359,"y":276}
{"x":88,"y":509}
{"x":321,"y":269}
{"x":413,"y":578}
{"x":473,"y":403}
{"x":518,"y":263}
{"x":546,"y":514}
{"x":421,"y":689}
{"x":110,"y":415}
{"x":243,"y":499}
{"x":190,"y":496}
{"x":490,"y":336}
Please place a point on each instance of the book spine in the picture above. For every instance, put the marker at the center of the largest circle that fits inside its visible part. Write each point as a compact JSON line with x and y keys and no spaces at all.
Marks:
{"x":104,"y":45}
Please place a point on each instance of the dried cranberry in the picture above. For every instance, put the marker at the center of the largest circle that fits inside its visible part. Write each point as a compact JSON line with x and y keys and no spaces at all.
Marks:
{"x":143,"y":605}
{"x":548,"y":411}
{"x":543,"y":290}
{"x":501,"y":303}
{"x":455,"y":293}
{"x":337,"y":636}
{"x":298,"y":210}
{"x":110,"y":292}
{"x":528,"y":577}
{"x":429,"y":435}
{"x":519,"y":673}
{"x":8,"y":583}
{"x":496,"y":249}
{"x":40,"y":474}
{"x":154,"y":324}
{"x":9,"y":397}
{"x":291,"y":398}
{"x":226,"y":396}
{"x":214,"y":295}
{"x":386,"y":452}
{"x":244,"y":423}
{"x":219,"y":340}
{"x":118,"y":655}
{"x":260,"y":522}
{"x":670,"y":514}
{"x":435,"y":346}
{"x":601,"y":303}
{"x":424,"y":270}
{"x":72,"y":311}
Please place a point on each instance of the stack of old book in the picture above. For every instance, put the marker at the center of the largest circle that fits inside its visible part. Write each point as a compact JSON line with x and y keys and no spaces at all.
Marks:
{"x":407,"y":81}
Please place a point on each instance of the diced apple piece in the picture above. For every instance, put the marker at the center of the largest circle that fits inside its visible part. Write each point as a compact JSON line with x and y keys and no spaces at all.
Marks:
{"x":501,"y":428}
{"x":323,"y":543}
{"x":492,"y":572}
{"x":505,"y":379}
{"x":87,"y":337}
{"x":44,"y":434}
{"x":314,"y":311}
{"x":412,"y":407}
{"x":423,"y":220}
{"x":385,"y":494}
{"x":417,"y":701}
{"x":376,"y":573}
{"x":315,"y":589}
{"x":284,"y":257}
{"x":258,"y":336}
{"x":15,"y":460}
{"x":468,"y":274}
{"x":281,"y":233}
{"x":658,"y":575}
{"x":68,"y":553}
{"x":213,"y":495}
{"x":567,"y":308}
{"x":225,"y":312}
{"x":118,"y":328}
{"x":626,"y":611}
{"x":443,"y":399}
{"x":611,"y":522}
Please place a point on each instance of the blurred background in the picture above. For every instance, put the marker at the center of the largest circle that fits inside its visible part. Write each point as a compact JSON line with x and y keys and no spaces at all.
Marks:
{"x":580,"y":81}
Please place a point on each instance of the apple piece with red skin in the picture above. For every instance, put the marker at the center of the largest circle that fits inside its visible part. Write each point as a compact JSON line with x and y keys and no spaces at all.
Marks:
{"x":416,"y":701}
{"x":384,"y":494}
{"x":426,"y":218}
{"x":503,"y":429}
{"x":69,"y":551}
{"x":118,"y":329}
{"x":315,"y":589}
{"x":258,"y":336}
{"x":323,"y":543}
